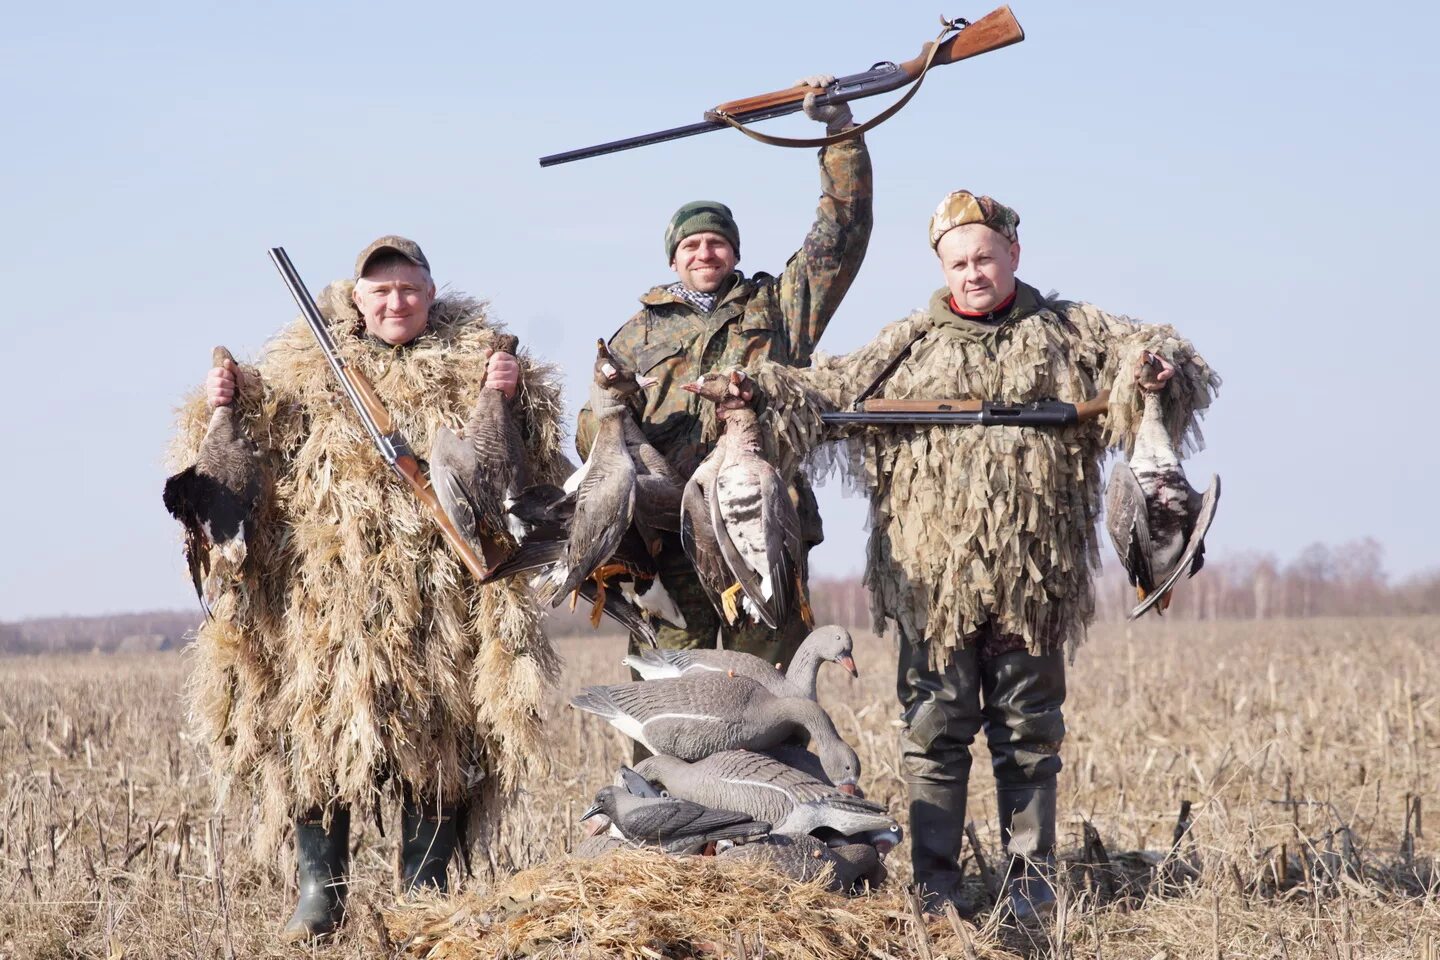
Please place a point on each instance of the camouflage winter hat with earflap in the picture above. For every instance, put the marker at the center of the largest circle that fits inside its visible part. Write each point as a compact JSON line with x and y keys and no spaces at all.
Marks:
{"x":962,"y":207}
{"x":701,"y":216}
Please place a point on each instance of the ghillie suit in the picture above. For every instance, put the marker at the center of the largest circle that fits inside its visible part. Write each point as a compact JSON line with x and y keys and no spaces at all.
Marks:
{"x":355,"y":658}
{"x":982,"y":539}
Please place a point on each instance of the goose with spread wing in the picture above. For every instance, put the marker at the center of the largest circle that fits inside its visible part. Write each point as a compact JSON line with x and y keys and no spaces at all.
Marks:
{"x":1156,"y":520}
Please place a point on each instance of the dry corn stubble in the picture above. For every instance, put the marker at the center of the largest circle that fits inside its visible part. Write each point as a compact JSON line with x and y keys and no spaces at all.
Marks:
{"x":1309,"y":751}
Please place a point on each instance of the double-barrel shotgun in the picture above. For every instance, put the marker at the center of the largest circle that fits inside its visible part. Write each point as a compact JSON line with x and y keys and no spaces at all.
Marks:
{"x":384,"y":432}
{"x":983,"y":413}
{"x":996,"y":29}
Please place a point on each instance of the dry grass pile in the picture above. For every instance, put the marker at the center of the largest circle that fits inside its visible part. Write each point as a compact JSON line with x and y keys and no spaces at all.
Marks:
{"x":1308,"y":753}
{"x":641,"y":904}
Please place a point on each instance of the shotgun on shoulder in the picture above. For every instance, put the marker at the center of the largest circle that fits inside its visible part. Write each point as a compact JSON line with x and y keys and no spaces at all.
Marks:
{"x":984,"y":413}
{"x":384,"y":433}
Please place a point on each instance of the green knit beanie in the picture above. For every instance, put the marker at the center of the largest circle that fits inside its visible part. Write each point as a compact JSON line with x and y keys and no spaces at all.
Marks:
{"x":701,"y":216}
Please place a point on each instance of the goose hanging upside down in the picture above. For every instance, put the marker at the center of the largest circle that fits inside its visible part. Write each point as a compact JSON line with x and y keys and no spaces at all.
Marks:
{"x":1157,"y":521}
{"x":738,"y":524}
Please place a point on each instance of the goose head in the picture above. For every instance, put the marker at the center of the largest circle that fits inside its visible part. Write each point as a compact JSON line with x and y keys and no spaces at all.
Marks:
{"x":728,"y":390}
{"x":612,"y":376}
{"x":835,"y":644}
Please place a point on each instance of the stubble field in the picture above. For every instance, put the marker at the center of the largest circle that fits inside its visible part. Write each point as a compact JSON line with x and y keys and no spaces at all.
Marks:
{"x":1305,"y":754}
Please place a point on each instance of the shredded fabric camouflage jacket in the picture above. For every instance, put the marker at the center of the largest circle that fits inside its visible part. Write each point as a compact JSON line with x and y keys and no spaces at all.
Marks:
{"x":972,"y":524}
{"x":775,"y":318}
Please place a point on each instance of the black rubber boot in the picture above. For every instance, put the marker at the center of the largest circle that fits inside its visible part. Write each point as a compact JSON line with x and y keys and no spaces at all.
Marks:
{"x":428,"y":835}
{"x":1027,"y":832}
{"x":937,"y":830}
{"x":323,"y":860}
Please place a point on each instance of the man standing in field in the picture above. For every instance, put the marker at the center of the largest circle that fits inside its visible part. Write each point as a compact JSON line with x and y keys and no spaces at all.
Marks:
{"x":982,"y":539}
{"x":354,"y":658}
{"x":713,"y":316}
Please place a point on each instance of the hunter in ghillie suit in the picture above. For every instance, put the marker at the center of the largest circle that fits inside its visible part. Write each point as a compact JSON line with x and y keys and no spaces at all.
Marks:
{"x":983,"y":539}
{"x":354,"y":658}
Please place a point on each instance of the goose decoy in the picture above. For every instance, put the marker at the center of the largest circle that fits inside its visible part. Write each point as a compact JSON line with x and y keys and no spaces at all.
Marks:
{"x":674,"y":825}
{"x":753,"y":523}
{"x":694,"y":717}
{"x":214,"y":499}
{"x":832,"y":644}
{"x":855,"y":866}
{"x":1157,"y":521}
{"x":479,"y":472}
{"x":757,"y":784}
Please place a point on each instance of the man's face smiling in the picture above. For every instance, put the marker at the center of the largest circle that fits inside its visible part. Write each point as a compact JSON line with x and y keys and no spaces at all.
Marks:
{"x":979,"y":266}
{"x":703,"y":261}
{"x":394,"y":297}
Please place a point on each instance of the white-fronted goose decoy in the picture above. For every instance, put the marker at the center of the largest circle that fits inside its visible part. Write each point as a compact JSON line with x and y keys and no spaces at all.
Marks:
{"x":832,"y":644}
{"x":674,"y":825}
{"x":214,"y":499}
{"x":855,"y":866}
{"x":1157,"y":521}
{"x":694,"y":717}
{"x":477,"y":474}
{"x":753,"y":523}
{"x":766,"y":789}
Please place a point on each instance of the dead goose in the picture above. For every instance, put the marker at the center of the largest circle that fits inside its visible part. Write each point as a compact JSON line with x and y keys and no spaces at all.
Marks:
{"x":214,"y":499}
{"x":832,"y":644}
{"x":766,"y":789}
{"x":603,"y":488}
{"x":854,"y":866}
{"x":1157,"y":521}
{"x":753,"y":527}
{"x":674,"y":825}
{"x":694,"y":717}
{"x":477,"y":473}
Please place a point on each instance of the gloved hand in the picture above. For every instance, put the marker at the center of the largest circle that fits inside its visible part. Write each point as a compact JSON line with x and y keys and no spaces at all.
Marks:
{"x":835,"y":116}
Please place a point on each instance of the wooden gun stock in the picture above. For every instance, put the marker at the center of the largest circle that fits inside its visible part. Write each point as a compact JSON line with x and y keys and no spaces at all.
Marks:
{"x":996,"y":29}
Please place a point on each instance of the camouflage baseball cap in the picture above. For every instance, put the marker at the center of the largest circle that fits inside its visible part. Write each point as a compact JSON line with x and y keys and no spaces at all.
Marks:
{"x":701,"y":216}
{"x":408,"y":249}
{"x":962,"y":207}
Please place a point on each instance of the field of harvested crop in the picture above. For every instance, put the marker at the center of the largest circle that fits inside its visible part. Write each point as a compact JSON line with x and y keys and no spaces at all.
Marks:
{"x":1303,"y":754}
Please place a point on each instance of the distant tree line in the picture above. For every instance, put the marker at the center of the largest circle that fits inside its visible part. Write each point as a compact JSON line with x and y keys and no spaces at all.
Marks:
{"x":1345,"y":580}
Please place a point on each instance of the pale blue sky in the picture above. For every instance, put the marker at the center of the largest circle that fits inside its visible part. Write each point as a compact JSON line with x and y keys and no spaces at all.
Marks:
{"x":1258,"y":174}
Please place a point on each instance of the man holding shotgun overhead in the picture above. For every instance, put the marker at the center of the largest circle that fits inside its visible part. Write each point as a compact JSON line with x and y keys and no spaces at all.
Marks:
{"x":355,"y":658}
{"x":713,"y":316}
{"x":982,"y":538}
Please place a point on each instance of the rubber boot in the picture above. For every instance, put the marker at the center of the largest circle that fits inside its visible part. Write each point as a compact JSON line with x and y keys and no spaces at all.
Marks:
{"x":427,"y":842}
{"x":323,"y":860}
{"x":937,"y":830}
{"x":1027,"y":833}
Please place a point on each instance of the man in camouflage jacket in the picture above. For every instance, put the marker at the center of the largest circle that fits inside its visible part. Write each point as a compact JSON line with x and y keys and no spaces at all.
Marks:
{"x":982,"y":539}
{"x":716,"y":317}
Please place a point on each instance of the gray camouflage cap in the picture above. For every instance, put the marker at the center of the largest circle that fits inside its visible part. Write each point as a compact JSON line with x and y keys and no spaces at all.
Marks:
{"x":408,"y":249}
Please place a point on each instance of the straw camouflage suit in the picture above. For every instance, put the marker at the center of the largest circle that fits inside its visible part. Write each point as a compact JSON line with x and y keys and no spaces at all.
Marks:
{"x":355,"y":658}
{"x":983,"y":539}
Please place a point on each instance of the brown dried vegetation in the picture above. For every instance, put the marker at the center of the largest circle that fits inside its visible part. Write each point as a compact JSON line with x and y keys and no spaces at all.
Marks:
{"x":1303,"y":753}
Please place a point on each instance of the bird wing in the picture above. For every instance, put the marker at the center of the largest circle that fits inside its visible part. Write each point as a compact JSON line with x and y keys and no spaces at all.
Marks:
{"x":622,"y":611}
{"x":1193,"y":557}
{"x":452,"y":474}
{"x":604,"y":505}
{"x":1125,"y":519}
{"x":657,"y":501}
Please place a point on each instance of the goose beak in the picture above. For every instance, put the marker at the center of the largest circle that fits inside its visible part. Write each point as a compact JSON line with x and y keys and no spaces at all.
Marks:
{"x":598,"y":827}
{"x":590,"y":811}
{"x":646,"y":382}
{"x":848,"y":662}
{"x":691,"y":387}
{"x":849,"y":789}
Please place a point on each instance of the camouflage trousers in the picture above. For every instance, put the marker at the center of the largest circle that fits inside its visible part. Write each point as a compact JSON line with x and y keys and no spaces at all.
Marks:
{"x":704,"y":627}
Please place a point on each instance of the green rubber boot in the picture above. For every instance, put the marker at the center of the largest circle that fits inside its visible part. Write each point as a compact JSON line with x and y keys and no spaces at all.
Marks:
{"x":323,"y":860}
{"x":1027,"y":831}
{"x":427,"y":842}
